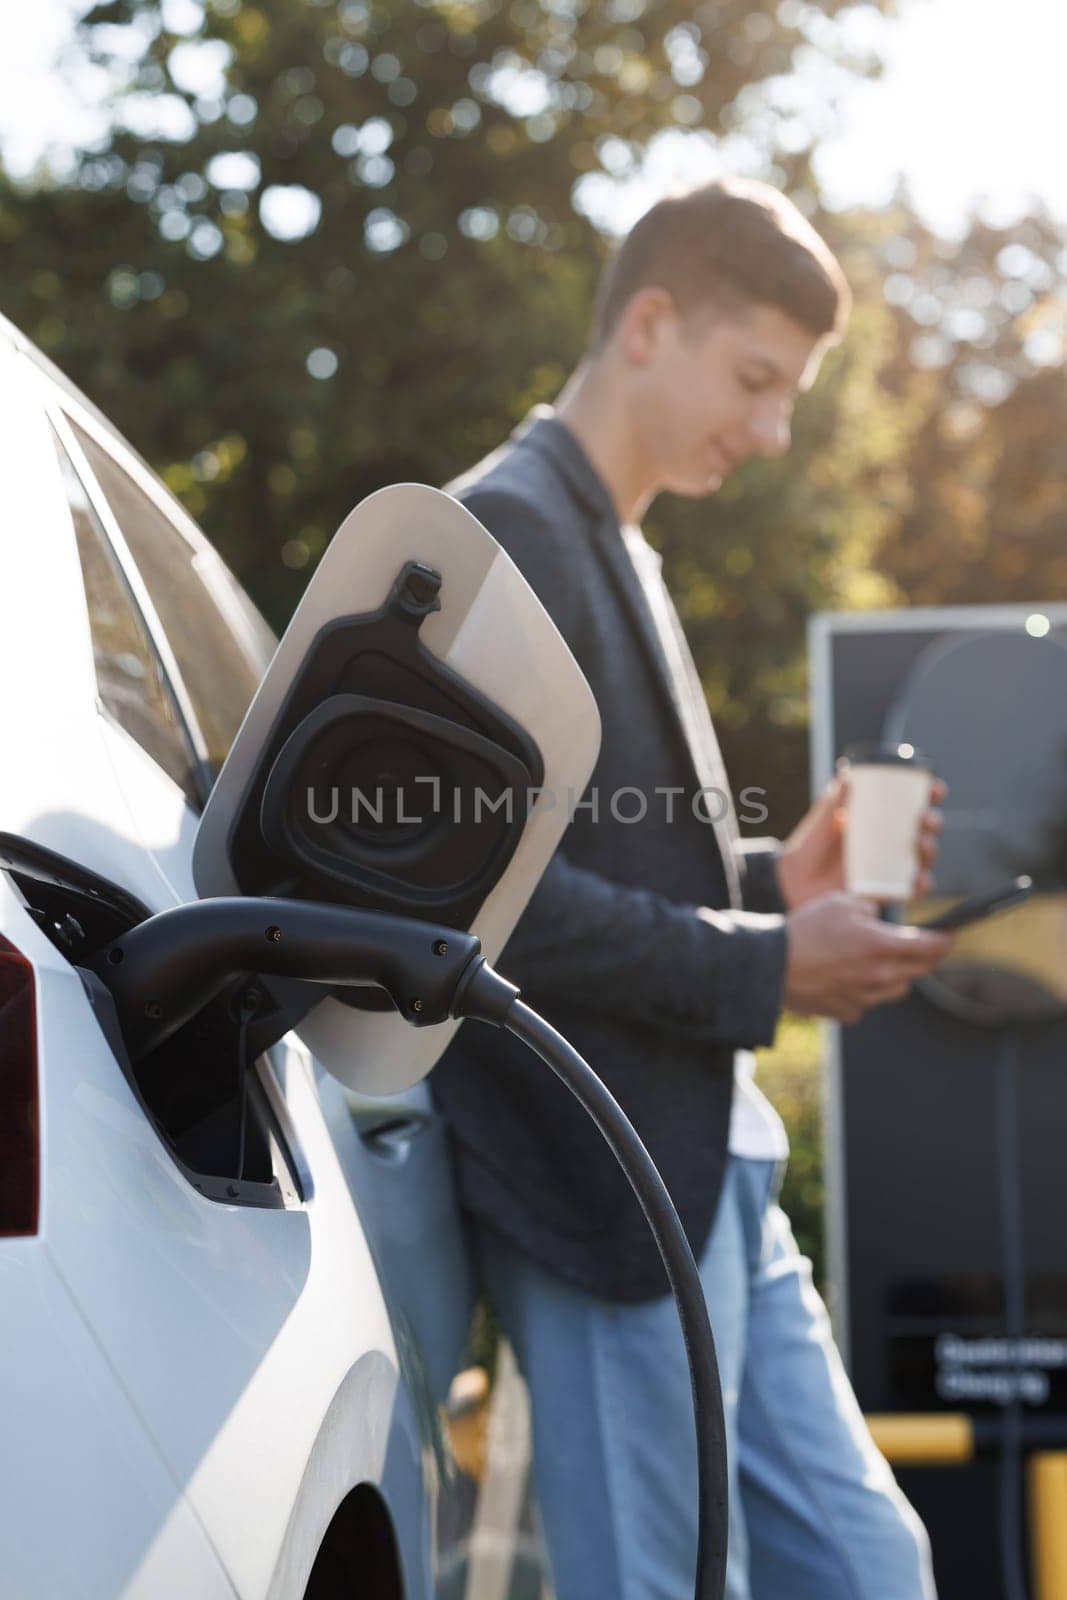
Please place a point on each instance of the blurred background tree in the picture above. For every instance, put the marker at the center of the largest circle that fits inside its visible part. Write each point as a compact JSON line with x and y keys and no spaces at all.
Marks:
{"x":326,"y":246}
{"x":981,"y":324}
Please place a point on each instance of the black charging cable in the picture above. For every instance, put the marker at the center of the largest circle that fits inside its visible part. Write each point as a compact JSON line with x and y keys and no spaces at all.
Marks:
{"x":1007,"y":1142}
{"x":486,"y":996}
{"x":1009,"y":1185}
{"x":249,"y":1005}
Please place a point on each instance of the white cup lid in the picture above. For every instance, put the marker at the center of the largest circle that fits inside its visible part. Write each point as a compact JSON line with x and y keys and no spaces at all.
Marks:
{"x":885,"y":755}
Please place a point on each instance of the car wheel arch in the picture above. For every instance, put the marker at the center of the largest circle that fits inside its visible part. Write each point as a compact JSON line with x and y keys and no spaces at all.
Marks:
{"x":362,"y":1498}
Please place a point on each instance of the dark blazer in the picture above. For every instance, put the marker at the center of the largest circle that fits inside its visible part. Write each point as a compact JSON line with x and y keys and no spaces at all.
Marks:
{"x":633,"y":944}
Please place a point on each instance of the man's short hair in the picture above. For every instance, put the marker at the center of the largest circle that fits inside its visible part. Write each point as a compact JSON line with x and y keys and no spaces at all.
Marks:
{"x":726,"y":245}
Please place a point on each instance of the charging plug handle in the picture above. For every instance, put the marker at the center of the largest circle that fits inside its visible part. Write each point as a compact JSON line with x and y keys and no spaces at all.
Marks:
{"x":164,"y":971}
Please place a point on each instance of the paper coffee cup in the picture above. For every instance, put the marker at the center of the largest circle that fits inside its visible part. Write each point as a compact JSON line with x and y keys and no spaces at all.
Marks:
{"x":888,"y":792}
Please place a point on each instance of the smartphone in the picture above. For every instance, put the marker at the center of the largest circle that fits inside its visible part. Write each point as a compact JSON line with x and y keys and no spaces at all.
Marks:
{"x":978,"y":906}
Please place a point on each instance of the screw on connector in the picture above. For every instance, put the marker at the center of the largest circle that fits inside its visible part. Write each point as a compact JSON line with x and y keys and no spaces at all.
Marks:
{"x":415,"y":1005}
{"x":417,"y":590}
{"x":274,"y":935}
{"x":421,"y":584}
{"x":440,"y":947}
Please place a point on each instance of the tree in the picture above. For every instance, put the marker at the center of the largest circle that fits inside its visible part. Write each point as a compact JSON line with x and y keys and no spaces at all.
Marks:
{"x":377,"y":190}
{"x":981,"y":325}
{"x":329,"y":246}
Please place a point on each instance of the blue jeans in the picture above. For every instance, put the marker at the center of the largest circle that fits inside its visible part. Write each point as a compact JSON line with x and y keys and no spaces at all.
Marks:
{"x":815,"y":1513}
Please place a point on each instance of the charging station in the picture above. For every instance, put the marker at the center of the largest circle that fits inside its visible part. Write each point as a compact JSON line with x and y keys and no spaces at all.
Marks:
{"x":946,"y":1114}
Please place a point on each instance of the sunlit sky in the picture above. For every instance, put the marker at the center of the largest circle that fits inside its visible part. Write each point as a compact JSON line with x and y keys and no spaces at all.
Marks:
{"x":971,"y":111}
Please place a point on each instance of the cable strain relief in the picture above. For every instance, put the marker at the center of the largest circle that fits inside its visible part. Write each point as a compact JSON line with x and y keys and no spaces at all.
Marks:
{"x":483,"y":994}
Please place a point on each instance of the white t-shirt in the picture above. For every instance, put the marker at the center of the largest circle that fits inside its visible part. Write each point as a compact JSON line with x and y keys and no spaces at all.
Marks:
{"x":757,"y":1132}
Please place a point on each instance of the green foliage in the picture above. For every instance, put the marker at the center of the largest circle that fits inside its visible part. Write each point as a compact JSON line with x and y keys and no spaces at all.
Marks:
{"x":981,"y":330}
{"x":789,"y":1074}
{"x":433,"y":147}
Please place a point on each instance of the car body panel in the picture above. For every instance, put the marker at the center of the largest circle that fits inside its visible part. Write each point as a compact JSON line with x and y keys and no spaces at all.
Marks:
{"x":89,"y":1511}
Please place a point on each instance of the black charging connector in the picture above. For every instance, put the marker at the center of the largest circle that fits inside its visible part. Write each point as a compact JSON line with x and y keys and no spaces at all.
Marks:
{"x":164,"y":971}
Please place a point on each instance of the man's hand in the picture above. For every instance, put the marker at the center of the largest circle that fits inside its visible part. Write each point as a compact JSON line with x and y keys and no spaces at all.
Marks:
{"x":811,"y":862}
{"x":842,"y":960}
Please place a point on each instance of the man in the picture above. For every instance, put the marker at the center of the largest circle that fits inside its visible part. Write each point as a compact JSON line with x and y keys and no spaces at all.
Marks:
{"x":664,"y":950}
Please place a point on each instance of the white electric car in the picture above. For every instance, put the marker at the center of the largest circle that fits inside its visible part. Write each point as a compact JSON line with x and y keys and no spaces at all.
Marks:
{"x":230,"y":1305}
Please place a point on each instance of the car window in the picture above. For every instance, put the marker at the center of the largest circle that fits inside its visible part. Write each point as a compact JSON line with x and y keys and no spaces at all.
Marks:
{"x":220,"y":643}
{"x":129,"y":678}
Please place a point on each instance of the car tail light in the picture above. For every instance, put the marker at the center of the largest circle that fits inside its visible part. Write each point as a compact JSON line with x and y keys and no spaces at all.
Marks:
{"x":19,"y":1133}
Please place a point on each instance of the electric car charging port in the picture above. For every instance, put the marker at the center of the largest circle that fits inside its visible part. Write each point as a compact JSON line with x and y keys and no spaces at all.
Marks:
{"x":220,"y":1121}
{"x":207,"y":1093}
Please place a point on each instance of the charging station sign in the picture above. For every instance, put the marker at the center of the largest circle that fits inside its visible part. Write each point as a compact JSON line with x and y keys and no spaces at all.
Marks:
{"x":967,"y":1371}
